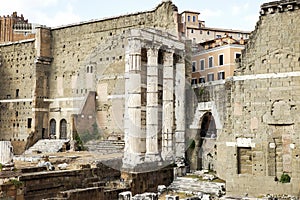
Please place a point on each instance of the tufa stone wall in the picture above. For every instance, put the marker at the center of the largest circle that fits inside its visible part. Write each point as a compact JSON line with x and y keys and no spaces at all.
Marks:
{"x":46,"y":80}
{"x":93,"y":59}
{"x":206,"y":124}
{"x":259,"y":141}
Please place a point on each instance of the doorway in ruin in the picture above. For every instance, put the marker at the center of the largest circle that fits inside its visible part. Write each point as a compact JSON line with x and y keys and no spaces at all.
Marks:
{"x":202,"y":150}
{"x":63,"y":129}
{"x":208,"y":126}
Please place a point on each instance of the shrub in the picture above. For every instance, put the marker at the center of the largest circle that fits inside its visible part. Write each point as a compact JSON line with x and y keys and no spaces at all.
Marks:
{"x":285,"y":178}
{"x":16,"y":182}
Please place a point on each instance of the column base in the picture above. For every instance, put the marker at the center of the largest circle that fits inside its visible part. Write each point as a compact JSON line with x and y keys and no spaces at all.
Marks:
{"x":131,"y":160}
{"x":153,"y":157}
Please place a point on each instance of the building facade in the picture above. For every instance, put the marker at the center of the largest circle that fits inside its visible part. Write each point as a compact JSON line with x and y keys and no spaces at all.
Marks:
{"x":216,"y":59}
{"x":193,"y":28}
{"x":15,"y":28}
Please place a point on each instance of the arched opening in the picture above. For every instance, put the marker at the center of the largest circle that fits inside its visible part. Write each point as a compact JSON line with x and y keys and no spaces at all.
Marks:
{"x":207,"y":142}
{"x":208,"y":126}
{"x":52,"y":129}
{"x":202,"y":151}
{"x":63,"y":129}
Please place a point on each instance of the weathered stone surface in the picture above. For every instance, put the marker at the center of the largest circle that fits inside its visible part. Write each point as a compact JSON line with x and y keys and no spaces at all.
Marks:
{"x":257,"y":143}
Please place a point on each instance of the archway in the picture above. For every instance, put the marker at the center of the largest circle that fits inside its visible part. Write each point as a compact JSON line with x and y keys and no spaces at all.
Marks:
{"x":52,"y":129}
{"x":63,"y":129}
{"x":202,"y":150}
{"x":208,"y":126}
{"x":206,"y":155}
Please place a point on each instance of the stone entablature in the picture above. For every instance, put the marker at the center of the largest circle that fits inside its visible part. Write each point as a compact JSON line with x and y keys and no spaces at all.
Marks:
{"x":279,"y":6}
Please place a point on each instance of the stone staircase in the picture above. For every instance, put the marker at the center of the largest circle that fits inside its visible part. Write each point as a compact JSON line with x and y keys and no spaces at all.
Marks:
{"x":47,"y":146}
{"x":106,"y":146}
{"x":194,"y":185}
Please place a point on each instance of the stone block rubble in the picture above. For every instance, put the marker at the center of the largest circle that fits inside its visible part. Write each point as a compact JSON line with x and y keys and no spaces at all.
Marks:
{"x":48,"y":146}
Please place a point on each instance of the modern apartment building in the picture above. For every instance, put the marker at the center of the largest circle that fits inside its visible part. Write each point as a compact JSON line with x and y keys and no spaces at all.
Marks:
{"x":215,"y":59}
{"x":194,"y":29}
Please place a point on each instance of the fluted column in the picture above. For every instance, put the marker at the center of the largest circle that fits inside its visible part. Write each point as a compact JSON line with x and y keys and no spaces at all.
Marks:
{"x":152,"y":127}
{"x":180,"y":108}
{"x":135,"y":145}
{"x":168,"y":107}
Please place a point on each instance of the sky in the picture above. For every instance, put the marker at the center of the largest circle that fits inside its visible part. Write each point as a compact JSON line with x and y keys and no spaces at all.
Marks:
{"x":231,"y":14}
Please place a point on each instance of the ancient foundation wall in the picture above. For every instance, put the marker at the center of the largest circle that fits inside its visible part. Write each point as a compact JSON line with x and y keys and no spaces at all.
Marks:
{"x":148,"y":181}
{"x":49,"y":184}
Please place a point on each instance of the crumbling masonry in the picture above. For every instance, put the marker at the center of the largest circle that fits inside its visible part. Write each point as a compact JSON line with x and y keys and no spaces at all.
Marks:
{"x":260,"y":139}
{"x":123,"y":74}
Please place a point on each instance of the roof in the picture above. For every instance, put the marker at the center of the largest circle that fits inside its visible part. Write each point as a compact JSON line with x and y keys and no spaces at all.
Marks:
{"x":220,"y":30}
{"x":187,"y":11}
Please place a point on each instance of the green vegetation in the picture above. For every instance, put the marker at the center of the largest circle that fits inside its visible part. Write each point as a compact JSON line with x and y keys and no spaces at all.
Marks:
{"x":16,"y":182}
{"x":191,"y":144}
{"x":95,"y":135}
{"x":0,"y":167}
{"x":78,"y":143}
{"x":285,"y":178}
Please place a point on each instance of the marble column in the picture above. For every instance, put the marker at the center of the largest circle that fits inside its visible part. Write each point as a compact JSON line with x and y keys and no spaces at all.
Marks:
{"x":168,"y":107}
{"x":180,"y":108}
{"x":152,"y":127}
{"x":135,"y":145}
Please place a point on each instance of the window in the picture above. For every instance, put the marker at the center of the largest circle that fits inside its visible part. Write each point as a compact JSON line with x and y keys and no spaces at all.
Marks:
{"x":221,"y":59}
{"x":192,"y":30}
{"x":210,"y":77}
{"x":207,"y":32}
{"x":210,"y":62}
{"x":194,"y":81}
{"x":237,"y":55}
{"x":193,"y":66}
{"x":29,"y":120}
{"x":194,"y":18}
{"x":221,"y":75}
{"x":182,"y":19}
{"x":17,"y":92}
{"x":189,"y":18}
{"x":202,"y":64}
{"x":52,"y":128}
{"x":63,"y":129}
{"x":200,"y":31}
{"x":202,"y":80}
